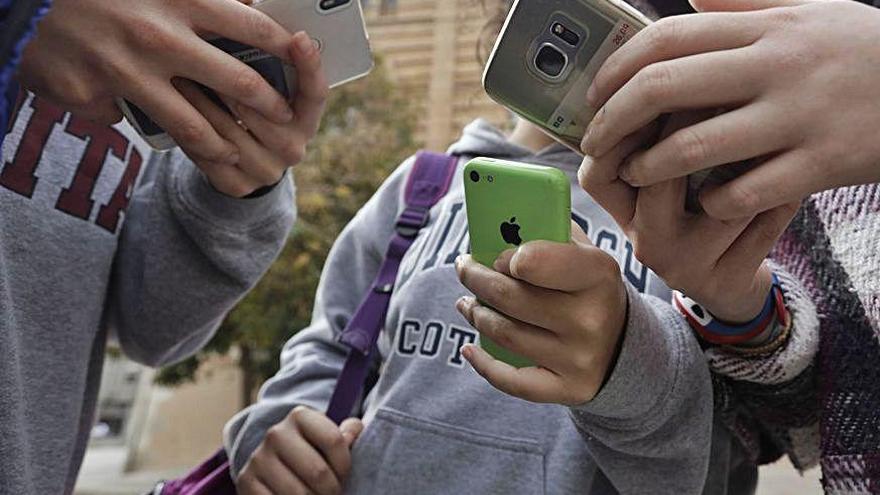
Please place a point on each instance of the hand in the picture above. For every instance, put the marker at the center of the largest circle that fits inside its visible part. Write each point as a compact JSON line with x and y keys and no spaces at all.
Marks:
{"x":304,"y":454}
{"x":266,"y":149}
{"x":563,"y":306}
{"x":88,"y":52}
{"x":797,"y":84}
{"x":718,"y":263}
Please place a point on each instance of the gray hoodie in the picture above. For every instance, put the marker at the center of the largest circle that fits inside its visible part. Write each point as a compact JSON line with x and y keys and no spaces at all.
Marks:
{"x":434,"y":426}
{"x":100,"y":234}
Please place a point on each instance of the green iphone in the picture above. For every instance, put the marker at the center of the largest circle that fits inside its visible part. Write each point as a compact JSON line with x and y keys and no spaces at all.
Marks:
{"x":508,"y":204}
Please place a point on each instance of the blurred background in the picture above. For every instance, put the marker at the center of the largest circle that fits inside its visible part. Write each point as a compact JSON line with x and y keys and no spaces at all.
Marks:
{"x":156,"y":425}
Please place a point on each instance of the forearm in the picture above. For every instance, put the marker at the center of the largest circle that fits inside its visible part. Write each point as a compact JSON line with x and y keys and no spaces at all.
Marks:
{"x":655,"y":411}
{"x":187,"y":254}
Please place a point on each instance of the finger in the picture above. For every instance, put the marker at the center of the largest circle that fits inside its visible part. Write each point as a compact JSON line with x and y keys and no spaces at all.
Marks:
{"x":535,"y":343}
{"x":728,"y":138}
{"x":599,"y":177}
{"x":571,"y":267}
{"x":661,"y":207}
{"x":579,"y":235}
{"x":225,"y":74}
{"x":323,"y":434}
{"x":252,"y":486}
{"x":351,"y":429}
{"x":754,"y":244}
{"x":787,"y":178}
{"x":742,"y":5}
{"x":278,"y":478}
{"x":670,"y":38}
{"x":189,"y":128}
{"x":256,"y":166}
{"x":531,"y":384}
{"x":311,"y":90}
{"x":239,"y":22}
{"x":309,"y":466}
{"x":693,"y":82}
{"x":512,"y":297}
{"x":285,"y":142}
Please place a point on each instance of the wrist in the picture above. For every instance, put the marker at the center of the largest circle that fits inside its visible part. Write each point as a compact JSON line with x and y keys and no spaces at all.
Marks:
{"x":754,"y":332}
{"x":736,"y":309}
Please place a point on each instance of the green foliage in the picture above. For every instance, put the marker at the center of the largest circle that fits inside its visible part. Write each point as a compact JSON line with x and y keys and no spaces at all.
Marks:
{"x":367,"y":130}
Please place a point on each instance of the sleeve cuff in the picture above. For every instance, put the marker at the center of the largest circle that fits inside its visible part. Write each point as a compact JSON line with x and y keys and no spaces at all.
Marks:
{"x":646,"y":367}
{"x":789,"y":360}
{"x":198,"y":195}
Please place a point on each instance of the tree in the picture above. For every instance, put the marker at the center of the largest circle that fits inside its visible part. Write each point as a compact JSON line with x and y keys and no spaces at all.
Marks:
{"x":367,"y":130}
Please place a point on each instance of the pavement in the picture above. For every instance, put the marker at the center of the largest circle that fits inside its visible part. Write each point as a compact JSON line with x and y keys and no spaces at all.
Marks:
{"x":102,"y":474}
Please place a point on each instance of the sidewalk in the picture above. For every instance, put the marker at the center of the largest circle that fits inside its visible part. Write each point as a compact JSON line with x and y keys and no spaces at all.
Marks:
{"x":102,"y":475}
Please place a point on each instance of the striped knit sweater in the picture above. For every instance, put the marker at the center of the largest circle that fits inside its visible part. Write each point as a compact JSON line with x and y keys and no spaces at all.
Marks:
{"x":817,"y":399}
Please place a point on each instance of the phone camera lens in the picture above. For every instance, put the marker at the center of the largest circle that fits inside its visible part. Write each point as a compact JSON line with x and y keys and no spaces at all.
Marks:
{"x":490,"y":178}
{"x":551,"y":61}
{"x":475,"y":176}
{"x":326,"y":5}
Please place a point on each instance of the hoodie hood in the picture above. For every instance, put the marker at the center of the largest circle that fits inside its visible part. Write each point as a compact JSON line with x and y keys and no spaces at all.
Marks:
{"x":480,"y":138}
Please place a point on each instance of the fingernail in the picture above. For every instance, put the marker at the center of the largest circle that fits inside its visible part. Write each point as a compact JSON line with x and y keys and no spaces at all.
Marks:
{"x":461,"y":304}
{"x":467,"y":352}
{"x":304,"y":43}
{"x":592,"y":95}
{"x":625,"y":174}
{"x":582,"y":174}
{"x":497,"y":265}
{"x":588,"y":147}
{"x":287,"y":114}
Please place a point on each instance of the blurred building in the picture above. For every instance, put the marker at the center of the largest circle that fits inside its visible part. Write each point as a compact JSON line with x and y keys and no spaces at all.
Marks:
{"x":430,"y":49}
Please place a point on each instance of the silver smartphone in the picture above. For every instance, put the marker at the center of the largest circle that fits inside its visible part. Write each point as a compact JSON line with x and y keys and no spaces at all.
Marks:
{"x":336,"y":26}
{"x":547,"y":55}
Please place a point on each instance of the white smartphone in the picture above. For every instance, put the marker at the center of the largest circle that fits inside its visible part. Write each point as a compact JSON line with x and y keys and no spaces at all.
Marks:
{"x":336,"y":26}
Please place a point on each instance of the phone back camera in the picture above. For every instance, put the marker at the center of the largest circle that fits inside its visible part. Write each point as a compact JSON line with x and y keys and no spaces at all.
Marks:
{"x":550,"y":61}
{"x":328,"y":5}
{"x":475,"y":176}
{"x":565,"y":34}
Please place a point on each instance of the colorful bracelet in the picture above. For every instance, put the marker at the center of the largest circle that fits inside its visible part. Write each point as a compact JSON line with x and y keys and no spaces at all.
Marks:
{"x":781,"y":334}
{"x":717,"y":332}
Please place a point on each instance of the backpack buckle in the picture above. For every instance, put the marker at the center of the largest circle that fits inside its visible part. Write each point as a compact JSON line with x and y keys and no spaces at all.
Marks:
{"x":412,"y":220}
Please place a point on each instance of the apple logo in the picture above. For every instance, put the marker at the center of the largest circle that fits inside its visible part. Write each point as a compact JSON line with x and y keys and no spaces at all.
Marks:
{"x":510,"y":232}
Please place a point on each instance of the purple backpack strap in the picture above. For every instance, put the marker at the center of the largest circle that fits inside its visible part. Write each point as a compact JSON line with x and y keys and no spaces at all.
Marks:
{"x":428,"y":182}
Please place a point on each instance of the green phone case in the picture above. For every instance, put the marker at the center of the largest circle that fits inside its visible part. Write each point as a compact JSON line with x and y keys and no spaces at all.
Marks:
{"x":510,"y":203}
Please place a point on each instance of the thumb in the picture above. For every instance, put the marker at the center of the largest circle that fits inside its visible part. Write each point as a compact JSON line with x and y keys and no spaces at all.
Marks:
{"x":743,"y":5}
{"x":351,"y":429}
{"x":578,"y":235}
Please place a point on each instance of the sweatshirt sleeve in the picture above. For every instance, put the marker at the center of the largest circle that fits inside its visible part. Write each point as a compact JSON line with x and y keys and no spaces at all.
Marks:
{"x":187,"y":253}
{"x":654,"y":416}
{"x":312,"y":360}
{"x":777,"y":390}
